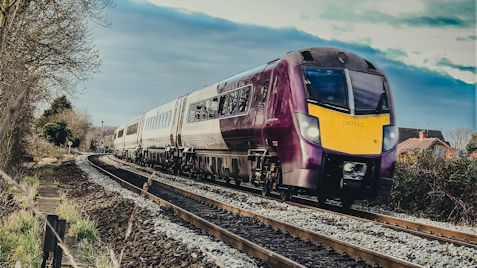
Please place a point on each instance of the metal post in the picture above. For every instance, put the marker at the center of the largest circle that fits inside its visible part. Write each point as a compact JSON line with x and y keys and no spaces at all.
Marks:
{"x":101,"y":136}
{"x":49,"y":241}
{"x":58,"y":254}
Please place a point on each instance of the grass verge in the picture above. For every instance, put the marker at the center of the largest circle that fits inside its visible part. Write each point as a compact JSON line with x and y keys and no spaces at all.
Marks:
{"x":86,"y":233}
{"x":20,"y":239}
{"x":20,"y":231}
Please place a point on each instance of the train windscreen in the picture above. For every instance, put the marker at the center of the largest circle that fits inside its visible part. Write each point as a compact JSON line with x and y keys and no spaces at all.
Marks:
{"x":369,"y":93}
{"x":327,"y":86}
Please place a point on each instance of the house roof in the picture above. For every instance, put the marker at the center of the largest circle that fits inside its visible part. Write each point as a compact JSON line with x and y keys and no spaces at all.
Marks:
{"x":473,"y":156}
{"x":406,"y":133}
{"x":419,"y":144}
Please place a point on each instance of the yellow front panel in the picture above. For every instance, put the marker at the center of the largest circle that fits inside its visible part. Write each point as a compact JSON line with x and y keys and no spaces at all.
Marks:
{"x":353,"y":134}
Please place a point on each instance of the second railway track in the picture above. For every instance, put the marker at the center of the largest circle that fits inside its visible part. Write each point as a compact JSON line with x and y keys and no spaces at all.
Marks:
{"x":427,"y":231}
{"x":279,"y":243}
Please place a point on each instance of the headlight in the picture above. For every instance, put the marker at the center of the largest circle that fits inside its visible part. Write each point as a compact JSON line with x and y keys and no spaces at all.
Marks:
{"x":390,"y":137}
{"x":309,"y":127}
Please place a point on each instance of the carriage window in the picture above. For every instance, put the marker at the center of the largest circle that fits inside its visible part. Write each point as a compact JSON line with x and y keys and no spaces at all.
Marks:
{"x":169,"y":116}
{"x":200,"y":112}
{"x":132,"y":129}
{"x":243,"y":101}
{"x":120,"y":133}
{"x":233,"y":99}
{"x":223,"y":103}
{"x":214,"y":106}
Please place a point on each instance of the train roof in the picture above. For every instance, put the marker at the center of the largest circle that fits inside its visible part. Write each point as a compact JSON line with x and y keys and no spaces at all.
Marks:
{"x":332,"y":58}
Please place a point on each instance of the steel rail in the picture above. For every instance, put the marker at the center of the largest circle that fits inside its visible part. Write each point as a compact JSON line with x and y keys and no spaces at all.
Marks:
{"x":369,"y":256}
{"x":430,"y":232}
{"x":427,"y":231}
{"x":269,"y":257}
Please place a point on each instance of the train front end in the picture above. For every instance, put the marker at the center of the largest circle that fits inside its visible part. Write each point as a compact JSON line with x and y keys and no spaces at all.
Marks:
{"x":346,"y":126}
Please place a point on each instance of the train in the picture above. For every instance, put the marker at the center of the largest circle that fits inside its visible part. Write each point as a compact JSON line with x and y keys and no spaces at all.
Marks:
{"x":317,"y":121}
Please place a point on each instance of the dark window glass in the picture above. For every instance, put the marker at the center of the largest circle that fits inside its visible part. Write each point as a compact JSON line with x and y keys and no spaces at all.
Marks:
{"x":327,"y":86}
{"x":233,"y":100}
{"x":120,"y":133}
{"x":214,"y":106}
{"x":200,"y":111}
{"x":132,"y":129}
{"x":223,"y":104}
{"x":244,"y":96}
{"x":369,"y":92}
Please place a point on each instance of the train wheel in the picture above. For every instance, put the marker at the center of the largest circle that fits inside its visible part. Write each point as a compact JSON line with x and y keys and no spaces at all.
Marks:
{"x":227,"y":180}
{"x":237,"y":182}
{"x":285,"y":194}
{"x":266,"y":188}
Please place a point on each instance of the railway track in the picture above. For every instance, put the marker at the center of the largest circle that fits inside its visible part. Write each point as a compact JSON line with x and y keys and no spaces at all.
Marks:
{"x":276,"y":243}
{"x":426,"y":231}
{"x":430,"y":232}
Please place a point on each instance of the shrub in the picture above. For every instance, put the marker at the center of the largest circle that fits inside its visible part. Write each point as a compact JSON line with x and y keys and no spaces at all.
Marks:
{"x":56,"y":133}
{"x":438,"y":188}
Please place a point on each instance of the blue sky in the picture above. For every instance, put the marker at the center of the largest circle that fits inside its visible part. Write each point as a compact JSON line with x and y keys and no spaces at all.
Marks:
{"x":156,"y":51}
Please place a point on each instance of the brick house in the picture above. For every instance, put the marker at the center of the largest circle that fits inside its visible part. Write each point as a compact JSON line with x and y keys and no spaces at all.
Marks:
{"x":408,"y":148}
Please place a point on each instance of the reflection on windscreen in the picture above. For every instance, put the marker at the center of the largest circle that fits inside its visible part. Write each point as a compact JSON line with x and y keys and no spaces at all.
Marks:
{"x":326,"y":86}
{"x":369,"y":93}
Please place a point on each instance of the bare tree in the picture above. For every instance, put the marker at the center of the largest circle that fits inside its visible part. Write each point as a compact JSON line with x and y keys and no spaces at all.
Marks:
{"x":459,"y":138}
{"x":46,"y":49}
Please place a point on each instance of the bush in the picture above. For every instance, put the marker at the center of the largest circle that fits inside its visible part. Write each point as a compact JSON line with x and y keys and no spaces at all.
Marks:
{"x":437,"y":188}
{"x":56,"y":133}
{"x":38,"y":146}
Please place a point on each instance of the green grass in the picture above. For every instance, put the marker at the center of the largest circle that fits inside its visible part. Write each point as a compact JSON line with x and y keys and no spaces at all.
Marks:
{"x":86,"y":233}
{"x":20,"y":239}
{"x":83,"y":229}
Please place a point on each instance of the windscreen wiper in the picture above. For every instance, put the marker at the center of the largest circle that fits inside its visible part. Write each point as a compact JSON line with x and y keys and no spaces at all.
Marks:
{"x":380,"y":102}
{"x":382,"y":98}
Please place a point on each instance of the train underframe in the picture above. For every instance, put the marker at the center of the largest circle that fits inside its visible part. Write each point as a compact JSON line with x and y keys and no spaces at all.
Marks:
{"x":261,"y":168}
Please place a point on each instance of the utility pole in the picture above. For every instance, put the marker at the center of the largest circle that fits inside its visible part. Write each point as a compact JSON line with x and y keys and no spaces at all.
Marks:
{"x":101,"y":136}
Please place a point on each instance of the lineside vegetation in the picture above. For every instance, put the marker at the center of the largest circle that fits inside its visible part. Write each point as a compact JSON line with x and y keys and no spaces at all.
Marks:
{"x":439,"y":188}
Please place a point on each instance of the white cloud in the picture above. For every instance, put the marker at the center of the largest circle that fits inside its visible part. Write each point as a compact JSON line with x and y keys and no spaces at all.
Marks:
{"x":396,"y":8}
{"x":424,"y":45}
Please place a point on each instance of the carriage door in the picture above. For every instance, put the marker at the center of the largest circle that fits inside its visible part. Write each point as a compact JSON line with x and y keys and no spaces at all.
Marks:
{"x":178,"y":118}
{"x":262,"y":92}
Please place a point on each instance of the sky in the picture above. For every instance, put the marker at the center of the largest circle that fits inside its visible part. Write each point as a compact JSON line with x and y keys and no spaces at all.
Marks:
{"x":157,"y":50}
